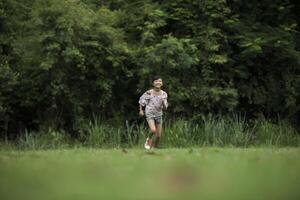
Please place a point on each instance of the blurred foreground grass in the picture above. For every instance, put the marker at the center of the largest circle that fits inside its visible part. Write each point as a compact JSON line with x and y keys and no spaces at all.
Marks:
{"x":203,"y":173}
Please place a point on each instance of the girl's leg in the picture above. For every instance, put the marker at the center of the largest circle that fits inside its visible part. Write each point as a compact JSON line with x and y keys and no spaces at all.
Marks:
{"x":158,"y":133}
{"x":152,"y":127}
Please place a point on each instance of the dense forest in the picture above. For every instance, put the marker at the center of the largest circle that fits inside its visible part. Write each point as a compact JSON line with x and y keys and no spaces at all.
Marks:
{"x":65,"y":61}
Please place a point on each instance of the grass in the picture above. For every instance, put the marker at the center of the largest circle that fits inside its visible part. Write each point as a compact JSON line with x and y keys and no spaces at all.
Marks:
{"x":179,"y":133}
{"x":170,"y":173}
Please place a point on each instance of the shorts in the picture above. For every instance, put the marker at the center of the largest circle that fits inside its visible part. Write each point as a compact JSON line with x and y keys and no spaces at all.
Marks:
{"x":157,"y":120}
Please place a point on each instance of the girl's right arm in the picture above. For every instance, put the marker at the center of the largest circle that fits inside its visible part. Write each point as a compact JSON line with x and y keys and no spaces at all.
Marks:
{"x":144,"y":98}
{"x":143,"y":101}
{"x":141,"y":110}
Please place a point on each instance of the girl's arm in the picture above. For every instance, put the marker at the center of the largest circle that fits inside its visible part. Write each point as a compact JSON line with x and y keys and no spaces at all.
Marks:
{"x":143,"y":101}
{"x":165,"y":102}
{"x":141,"y":108}
{"x":144,"y":98}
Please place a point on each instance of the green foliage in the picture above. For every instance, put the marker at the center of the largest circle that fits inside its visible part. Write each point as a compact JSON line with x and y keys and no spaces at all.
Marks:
{"x":47,"y":139}
{"x":101,"y":135}
{"x":61,"y":62}
{"x":181,"y":133}
{"x":270,"y":133}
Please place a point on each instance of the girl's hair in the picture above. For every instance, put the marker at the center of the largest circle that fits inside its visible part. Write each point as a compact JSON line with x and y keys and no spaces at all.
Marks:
{"x":156,"y":78}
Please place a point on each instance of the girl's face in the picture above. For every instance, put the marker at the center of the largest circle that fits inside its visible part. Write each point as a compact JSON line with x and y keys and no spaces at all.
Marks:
{"x":158,"y":83}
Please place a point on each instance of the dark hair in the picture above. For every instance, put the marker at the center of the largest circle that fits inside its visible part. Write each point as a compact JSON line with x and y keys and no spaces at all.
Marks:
{"x":156,"y":78}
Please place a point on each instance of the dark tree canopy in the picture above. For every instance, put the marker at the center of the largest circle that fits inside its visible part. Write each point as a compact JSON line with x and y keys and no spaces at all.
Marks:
{"x":63,"y":61}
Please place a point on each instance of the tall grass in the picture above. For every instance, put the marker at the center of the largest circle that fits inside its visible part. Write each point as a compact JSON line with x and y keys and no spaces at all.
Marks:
{"x":46,"y":139}
{"x":208,"y":131}
{"x":235,"y":131}
{"x":98,"y":133}
{"x":278,"y":134}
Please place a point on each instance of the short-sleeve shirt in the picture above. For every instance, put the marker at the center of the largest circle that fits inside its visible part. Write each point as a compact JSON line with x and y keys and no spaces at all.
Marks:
{"x":154,"y":103}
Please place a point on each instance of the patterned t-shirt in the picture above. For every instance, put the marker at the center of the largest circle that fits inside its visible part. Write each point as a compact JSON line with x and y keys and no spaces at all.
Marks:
{"x":154,"y":103}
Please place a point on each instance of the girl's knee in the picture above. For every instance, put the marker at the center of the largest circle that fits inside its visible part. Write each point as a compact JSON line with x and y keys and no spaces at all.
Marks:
{"x":153,"y":130}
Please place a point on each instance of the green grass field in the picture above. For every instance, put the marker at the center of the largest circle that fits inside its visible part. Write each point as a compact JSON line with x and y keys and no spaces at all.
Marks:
{"x":199,"y":173}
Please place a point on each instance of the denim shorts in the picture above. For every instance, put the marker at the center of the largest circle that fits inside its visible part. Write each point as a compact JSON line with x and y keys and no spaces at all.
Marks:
{"x":157,"y":120}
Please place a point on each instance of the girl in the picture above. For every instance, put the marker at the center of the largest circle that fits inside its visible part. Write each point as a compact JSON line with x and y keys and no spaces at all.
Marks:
{"x":154,"y":101}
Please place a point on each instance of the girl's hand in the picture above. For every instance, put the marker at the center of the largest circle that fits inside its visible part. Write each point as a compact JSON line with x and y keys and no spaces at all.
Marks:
{"x":161,"y":107}
{"x":141,"y":113}
{"x":164,"y":104}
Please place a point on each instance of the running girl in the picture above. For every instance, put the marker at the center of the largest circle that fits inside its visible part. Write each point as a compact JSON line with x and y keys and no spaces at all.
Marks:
{"x":153,"y":102}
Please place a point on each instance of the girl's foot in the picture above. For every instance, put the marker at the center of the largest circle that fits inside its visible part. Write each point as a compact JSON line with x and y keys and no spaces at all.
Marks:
{"x":148,"y":143}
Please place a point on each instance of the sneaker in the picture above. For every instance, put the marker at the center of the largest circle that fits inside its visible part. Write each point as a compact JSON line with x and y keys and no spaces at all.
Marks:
{"x":148,"y":143}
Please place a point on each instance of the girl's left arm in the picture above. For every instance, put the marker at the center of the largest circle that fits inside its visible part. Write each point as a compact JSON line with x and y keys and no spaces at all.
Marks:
{"x":165,"y":101}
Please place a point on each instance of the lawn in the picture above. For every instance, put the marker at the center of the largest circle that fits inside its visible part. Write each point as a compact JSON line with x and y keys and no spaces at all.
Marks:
{"x":198,"y":173}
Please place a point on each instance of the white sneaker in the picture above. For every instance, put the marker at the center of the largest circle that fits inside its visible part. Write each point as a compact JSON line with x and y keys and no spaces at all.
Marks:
{"x":148,"y":144}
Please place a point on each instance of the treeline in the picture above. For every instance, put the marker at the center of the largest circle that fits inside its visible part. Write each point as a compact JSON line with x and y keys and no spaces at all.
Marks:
{"x":64,"y":61}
